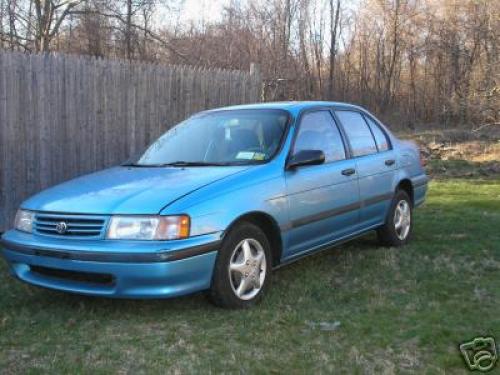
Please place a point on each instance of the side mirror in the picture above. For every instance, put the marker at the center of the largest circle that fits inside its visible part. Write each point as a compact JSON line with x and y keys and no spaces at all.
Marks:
{"x":306,"y":157}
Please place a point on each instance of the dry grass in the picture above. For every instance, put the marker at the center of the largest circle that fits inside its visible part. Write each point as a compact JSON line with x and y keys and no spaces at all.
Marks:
{"x":459,"y":152}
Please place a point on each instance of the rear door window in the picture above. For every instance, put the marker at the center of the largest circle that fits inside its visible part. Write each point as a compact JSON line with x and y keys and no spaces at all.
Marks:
{"x":357,"y":131}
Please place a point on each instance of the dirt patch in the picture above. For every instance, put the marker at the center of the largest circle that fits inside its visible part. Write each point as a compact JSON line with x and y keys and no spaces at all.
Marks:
{"x":460,"y":152}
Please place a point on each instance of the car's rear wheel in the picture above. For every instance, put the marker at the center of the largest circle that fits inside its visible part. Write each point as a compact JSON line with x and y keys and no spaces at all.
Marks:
{"x":399,"y":222}
{"x":242,"y":269}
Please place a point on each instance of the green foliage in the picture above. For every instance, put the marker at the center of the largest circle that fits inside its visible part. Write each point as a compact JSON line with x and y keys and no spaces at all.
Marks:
{"x":400,"y":310}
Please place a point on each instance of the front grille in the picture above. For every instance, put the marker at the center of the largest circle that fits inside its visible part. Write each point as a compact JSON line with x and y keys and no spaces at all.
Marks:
{"x":83,"y":277}
{"x":73,"y":225}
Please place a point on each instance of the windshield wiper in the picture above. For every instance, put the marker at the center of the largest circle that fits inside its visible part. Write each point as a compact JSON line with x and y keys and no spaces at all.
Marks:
{"x":179,"y":163}
{"x":131,"y":165}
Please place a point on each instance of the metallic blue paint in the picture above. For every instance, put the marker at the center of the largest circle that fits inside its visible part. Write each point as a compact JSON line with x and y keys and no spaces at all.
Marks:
{"x":132,"y":280}
{"x":313,"y":207}
{"x":125,"y":190}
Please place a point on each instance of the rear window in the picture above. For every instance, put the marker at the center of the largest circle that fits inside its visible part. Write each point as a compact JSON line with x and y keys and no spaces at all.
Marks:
{"x":359,"y":135}
{"x":380,"y":136}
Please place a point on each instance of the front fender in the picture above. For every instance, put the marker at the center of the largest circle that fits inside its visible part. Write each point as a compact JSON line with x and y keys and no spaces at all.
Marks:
{"x":216,"y":207}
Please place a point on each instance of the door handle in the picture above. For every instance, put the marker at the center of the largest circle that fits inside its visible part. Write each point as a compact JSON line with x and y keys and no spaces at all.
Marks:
{"x":390,"y":162}
{"x":348,"y":172}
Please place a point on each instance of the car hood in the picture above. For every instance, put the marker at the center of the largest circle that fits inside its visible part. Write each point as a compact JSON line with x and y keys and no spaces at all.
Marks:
{"x":127,"y":190}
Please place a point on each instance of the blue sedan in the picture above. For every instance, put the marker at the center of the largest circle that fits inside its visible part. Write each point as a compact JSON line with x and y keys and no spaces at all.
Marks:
{"x":218,"y":202}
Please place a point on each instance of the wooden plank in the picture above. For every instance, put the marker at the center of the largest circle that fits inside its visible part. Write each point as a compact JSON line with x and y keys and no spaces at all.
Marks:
{"x":5,"y":210}
{"x":61,"y":115}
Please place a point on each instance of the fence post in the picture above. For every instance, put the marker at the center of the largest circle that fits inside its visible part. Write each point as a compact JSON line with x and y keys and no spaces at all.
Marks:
{"x":257,"y":88}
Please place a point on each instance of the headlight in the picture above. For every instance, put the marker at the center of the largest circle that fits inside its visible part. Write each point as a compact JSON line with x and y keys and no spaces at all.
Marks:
{"x":24,"y":220}
{"x":148,"y":227}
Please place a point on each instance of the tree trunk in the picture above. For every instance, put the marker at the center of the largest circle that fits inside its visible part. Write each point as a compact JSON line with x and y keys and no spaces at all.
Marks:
{"x":394,"y":53}
{"x":128,"y":31}
{"x":334,"y":23}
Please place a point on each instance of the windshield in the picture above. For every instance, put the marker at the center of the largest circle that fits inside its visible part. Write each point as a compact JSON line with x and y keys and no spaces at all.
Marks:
{"x":219,"y":138}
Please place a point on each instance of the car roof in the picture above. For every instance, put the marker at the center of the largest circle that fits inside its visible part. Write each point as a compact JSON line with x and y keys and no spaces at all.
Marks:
{"x":293,"y":107}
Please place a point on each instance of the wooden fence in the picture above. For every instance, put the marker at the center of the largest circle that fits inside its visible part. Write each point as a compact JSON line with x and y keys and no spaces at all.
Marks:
{"x":62,"y":116}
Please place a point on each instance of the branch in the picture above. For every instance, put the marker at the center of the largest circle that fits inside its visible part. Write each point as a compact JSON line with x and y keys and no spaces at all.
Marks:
{"x":66,"y":12}
{"x":484,"y":126}
{"x":6,"y":38}
{"x":69,"y":3}
{"x":138,"y":27}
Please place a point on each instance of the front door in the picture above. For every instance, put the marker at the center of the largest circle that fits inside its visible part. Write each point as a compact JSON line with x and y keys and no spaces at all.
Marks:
{"x":323,"y":199}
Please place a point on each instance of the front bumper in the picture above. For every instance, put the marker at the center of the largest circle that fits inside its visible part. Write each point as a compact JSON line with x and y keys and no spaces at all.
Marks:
{"x":121,"y":269}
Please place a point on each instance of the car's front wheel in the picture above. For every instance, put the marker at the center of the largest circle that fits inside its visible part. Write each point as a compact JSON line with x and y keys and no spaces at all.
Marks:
{"x":399,"y":222}
{"x":243,"y":267}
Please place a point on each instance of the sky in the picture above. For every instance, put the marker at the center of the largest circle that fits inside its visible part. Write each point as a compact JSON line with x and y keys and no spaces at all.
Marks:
{"x":200,"y":11}
{"x":179,"y":14}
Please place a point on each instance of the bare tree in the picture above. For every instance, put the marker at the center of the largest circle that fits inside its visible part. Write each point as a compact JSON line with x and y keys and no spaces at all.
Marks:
{"x":432,"y":61}
{"x":49,"y":17}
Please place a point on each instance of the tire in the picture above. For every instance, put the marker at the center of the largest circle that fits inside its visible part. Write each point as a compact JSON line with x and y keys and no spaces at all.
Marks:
{"x":390,"y":234}
{"x":242,"y":273}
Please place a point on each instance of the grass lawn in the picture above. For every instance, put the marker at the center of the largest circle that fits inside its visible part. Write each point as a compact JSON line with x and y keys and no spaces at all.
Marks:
{"x":358,"y":308}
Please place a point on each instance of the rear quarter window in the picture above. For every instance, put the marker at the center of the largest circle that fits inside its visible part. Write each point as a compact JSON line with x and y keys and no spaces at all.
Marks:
{"x":379,"y":134}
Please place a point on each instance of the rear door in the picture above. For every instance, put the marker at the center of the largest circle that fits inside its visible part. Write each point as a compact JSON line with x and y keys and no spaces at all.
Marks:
{"x":323,"y":199}
{"x":375,"y":164}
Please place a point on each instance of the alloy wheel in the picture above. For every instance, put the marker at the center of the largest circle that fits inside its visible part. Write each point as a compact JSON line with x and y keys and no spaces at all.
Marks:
{"x":247,"y":269}
{"x":402,"y":219}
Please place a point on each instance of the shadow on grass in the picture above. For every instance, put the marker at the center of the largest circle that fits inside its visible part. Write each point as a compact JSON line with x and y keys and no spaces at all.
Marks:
{"x":49,"y":300}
